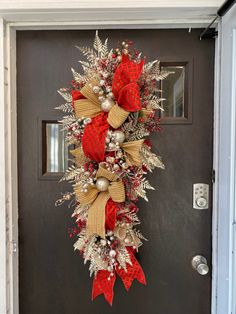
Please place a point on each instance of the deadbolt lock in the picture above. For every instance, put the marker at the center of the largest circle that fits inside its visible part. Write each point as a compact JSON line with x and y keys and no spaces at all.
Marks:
{"x":200,"y":196}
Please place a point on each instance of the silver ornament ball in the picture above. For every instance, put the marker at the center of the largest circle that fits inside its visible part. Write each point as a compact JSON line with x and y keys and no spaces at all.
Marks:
{"x":119,"y":136}
{"x":107,"y":104}
{"x":102,"y":184}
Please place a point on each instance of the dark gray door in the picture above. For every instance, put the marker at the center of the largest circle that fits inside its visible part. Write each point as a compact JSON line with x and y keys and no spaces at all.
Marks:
{"x":53,"y":279}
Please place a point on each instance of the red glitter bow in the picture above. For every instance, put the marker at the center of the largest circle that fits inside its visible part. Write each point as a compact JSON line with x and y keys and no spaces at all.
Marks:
{"x":101,"y":284}
{"x":126,"y":91}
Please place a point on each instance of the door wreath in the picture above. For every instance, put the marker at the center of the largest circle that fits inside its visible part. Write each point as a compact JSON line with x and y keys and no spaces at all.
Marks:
{"x":109,"y":114}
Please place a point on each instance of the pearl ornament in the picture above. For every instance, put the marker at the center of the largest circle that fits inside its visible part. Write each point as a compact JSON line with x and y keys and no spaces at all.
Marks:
{"x":112,"y":253}
{"x":103,"y":242}
{"x":87,"y":120}
{"x":110,"y":95}
{"x":116,"y":167}
{"x":119,"y":136}
{"x":119,"y":154}
{"x":107,"y":104}
{"x":102,"y":82}
{"x":102,"y":184}
{"x":101,"y":98}
{"x":96,"y":89}
{"x":125,"y":165}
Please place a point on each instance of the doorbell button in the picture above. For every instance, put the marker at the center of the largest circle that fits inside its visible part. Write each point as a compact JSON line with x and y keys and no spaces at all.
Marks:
{"x":200,"y":196}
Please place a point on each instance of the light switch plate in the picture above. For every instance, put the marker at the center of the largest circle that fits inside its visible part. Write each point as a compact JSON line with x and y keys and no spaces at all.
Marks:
{"x":200,"y":196}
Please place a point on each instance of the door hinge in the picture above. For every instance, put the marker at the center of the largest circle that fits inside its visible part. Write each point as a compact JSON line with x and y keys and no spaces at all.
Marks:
{"x":13,"y":246}
{"x":213,"y":176}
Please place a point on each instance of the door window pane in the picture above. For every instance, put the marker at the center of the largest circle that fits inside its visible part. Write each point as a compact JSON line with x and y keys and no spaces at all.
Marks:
{"x":56,"y":148}
{"x":173,"y":92}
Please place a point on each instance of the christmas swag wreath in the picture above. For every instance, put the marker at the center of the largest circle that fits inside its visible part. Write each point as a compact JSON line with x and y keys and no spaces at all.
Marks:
{"x":110,"y":111}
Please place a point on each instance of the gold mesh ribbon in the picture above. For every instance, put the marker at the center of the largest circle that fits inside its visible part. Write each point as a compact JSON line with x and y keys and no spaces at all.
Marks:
{"x":132,"y":152}
{"x":91,"y":107}
{"x":98,"y":200}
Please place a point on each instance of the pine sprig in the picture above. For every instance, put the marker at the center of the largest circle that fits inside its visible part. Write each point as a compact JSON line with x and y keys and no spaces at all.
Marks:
{"x":97,"y":44}
{"x":79,"y":78}
{"x":67,"y":96}
{"x":154,"y":102}
{"x":123,"y":257}
{"x":149,"y":159}
{"x":67,"y":108}
{"x":70,"y":173}
{"x":137,"y":133}
{"x":141,"y":189}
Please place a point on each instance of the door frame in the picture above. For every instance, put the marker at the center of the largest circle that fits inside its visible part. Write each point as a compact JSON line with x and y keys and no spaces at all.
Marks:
{"x":9,"y":24}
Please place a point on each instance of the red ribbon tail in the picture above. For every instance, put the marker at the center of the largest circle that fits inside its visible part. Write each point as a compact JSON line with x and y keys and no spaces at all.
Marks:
{"x":93,"y":141}
{"x":133,"y":272}
{"x":101,"y":285}
{"x":111,"y":209}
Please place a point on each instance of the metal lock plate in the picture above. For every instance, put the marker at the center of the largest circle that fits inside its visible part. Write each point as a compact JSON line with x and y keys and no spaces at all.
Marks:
{"x":200,"y":196}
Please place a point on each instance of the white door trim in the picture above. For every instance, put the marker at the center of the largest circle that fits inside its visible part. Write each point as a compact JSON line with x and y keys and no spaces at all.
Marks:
{"x":8,"y":134}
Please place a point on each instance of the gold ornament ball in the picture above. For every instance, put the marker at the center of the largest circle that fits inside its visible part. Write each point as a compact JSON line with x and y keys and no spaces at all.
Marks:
{"x":102,"y":184}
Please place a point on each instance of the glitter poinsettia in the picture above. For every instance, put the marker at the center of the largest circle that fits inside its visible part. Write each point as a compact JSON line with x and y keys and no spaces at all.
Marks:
{"x":110,"y":112}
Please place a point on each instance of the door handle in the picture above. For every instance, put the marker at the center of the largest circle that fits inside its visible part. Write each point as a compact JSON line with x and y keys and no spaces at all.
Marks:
{"x":199,"y":263}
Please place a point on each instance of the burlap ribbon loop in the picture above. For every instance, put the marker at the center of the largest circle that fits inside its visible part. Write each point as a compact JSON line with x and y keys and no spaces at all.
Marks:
{"x":91,"y":107}
{"x":132,"y":152}
{"x":98,"y":201}
{"x":117,"y":116}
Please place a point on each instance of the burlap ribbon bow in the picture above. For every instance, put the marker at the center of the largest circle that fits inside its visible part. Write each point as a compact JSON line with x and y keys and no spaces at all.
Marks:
{"x":131,"y":152}
{"x":98,"y":200}
{"x":91,"y":107}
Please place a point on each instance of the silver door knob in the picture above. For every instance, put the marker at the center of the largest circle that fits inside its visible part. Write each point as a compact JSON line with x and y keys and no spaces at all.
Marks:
{"x":199,"y":263}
